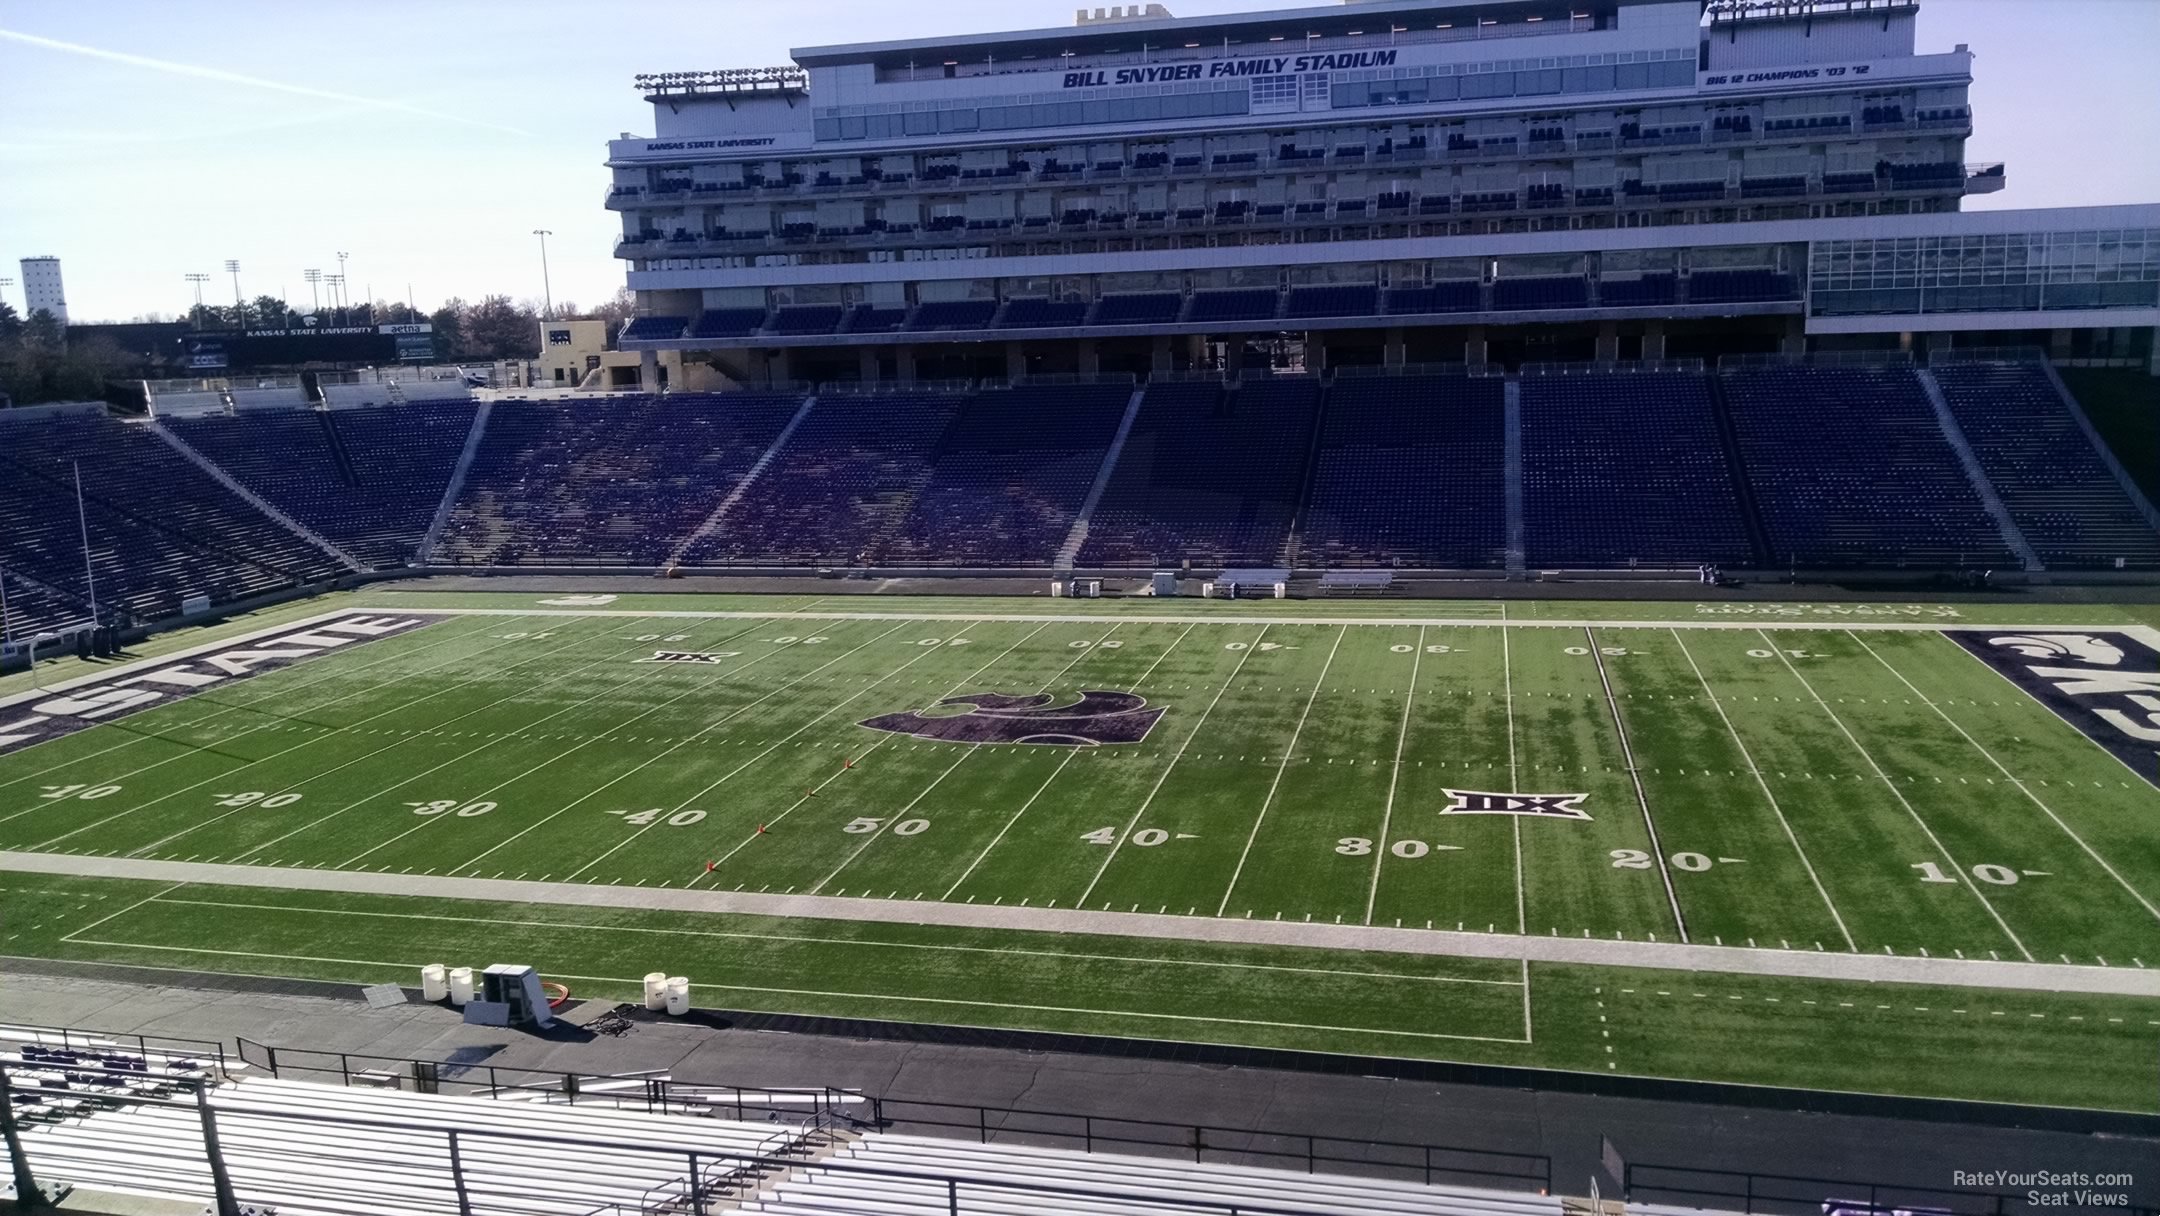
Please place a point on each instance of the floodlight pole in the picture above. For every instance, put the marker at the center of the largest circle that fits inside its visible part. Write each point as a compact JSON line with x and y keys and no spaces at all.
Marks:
{"x":232,"y":267}
{"x":82,"y":520}
{"x":314,"y":282}
{"x":547,"y":291}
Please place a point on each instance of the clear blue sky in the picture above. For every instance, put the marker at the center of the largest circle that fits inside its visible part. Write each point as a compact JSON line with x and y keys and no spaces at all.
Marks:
{"x":428,"y":138}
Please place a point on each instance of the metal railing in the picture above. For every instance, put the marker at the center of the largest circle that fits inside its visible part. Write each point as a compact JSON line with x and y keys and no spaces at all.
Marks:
{"x":13,"y":1034}
{"x":1794,"y":1195}
{"x":475,"y":1171}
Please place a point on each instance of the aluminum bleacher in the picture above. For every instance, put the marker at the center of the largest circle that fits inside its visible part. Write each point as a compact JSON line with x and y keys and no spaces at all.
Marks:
{"x":1208,"y":475}
{"x":367,"y":479}
{"x":1008,"y":477}
{"x":1624,"y":467}
{"x":1850,"y":468}
{"x":605,"y":483}
{"x":2059,"y":491}
{"x":1410,"y":473}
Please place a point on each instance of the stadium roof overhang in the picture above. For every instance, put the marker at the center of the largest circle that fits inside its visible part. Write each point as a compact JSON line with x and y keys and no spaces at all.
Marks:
{"x":1335,"y":20}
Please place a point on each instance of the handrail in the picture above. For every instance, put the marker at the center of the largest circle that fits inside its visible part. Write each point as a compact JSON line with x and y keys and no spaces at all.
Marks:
{"x":956,"y":1184}
{"x":76,"y":1040}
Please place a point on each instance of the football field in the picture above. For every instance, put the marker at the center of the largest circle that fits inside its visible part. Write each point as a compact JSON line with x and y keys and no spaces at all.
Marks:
{"x":1882,"y":785}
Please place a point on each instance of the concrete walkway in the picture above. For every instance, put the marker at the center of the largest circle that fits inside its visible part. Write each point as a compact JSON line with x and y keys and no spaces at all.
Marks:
{"x":1671,"y":956}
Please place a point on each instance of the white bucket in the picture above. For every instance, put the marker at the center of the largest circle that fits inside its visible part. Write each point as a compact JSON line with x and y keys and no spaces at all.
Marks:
{"x":678,"y":995}
{"x":460,"y":985}
{"x":656,"y":990}
{"x":434,"y":982}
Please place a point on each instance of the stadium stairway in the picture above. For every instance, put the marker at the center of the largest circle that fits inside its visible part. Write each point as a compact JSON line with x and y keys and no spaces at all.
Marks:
{"x":1512,"y":449}
{"x":250,"y":497}
{"x":1293,"y":547}
{"x":2084,"y":421}
{"x":1069,"y":551}
{"x":455,"y":486}
{"x":749,"y":479}
{"x":1982,"y":486}
{"x":1758,"y":533}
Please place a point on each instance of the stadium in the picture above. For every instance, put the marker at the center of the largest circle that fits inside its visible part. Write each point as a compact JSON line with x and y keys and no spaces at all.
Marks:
{"x":1402,"y":606}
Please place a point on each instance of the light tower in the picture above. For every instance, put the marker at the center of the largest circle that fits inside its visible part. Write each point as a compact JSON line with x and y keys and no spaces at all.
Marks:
{"x":198,"y":280}
{"x":314,"y":282}
{"x":342,"y":298}
{"x":547,"y":291}
{"x":232,"y":267}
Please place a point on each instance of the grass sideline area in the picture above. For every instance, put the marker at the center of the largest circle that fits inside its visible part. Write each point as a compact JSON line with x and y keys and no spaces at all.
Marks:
{"x":1829,"y":778}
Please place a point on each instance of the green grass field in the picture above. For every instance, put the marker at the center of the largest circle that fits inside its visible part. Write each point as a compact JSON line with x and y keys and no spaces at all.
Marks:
{"x":1798,"y":783}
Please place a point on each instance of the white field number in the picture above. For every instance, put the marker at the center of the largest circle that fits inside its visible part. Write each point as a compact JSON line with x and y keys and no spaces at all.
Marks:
{"x":864,"y":825}
{"x":1636,"y":859}
{"x":1253,"y":646}
{"x":257,"y":798}
{"x":77,"y":793}
{"x":654,"y":637}
{"x":1407,"y":648}
{"x":680,"y":819}
{"x":792,"y":640}
{"x":945,"y":642}
{"x":1359,"y":846}
{"x":451,"y":806}
{"x":1610,"y":652}
{"x":1145,"y":838}
{"x":1790,"y":654}
{"x":1084,"y":644}
{"x":523,"y":636}
{"x":1993,"y":875}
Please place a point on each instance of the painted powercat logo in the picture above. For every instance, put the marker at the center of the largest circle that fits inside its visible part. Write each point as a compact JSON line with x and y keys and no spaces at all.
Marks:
{"x":82,"y":707}
{"x":2105,"y":682}
{"x":1096,"y":719}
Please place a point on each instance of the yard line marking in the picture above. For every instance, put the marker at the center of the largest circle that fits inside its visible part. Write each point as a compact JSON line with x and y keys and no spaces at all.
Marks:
{"x":1387,"y":813}
{"x":1642,"y":799}
{"x":1764,"y":785}
{"x":400,"y":741}
{"x":309,"y":741}
{"x":1119,"y":843}
{"x":197,"y":750}
{"x":1507,"y":685}
{"x":860,"y":996}
{"x":1289,"y":753}
{"x":814,"y":790}
{"x":1058,"y":771}
{"x":809,"y":939}
{"x":271,"y":693}
{"x":588,"y":795}
{"x":2014,"y":780}
{"x":894,"y":818}
{"x":588,"y":741}
{"x":1895,"y":792}
{"x":122,"y":912}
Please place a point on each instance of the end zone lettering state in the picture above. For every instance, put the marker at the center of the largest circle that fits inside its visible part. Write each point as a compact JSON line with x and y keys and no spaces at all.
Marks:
{"x":84,"y":706}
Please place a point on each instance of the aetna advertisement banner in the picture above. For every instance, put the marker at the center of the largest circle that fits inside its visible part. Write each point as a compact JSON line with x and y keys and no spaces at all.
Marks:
{"x":2105,"y":682}
{"x":30,"y":722}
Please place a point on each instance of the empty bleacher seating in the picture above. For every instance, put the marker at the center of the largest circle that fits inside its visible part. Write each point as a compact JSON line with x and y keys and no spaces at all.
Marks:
{"x":846,"y":475}
{"x":1410,"y":473}
{"x":1626,"y":467}
{"x":1850,"y":468}
{"x":1036,"y":312}
{"x":1138,"y":308}
{"x":654,"y":329}
{"x":1457,"y":295}
{"x":728,"y":323}
{"x":2060,"y":493}
{"x":1008,"y":477}
{"x":367,"y":480}
{"x":160,"y":529}
{"x":1650,"y":289}
{"x":1740,"y":286}
{"x":1550,"y":291}
{"x":1340,"y":300}
{"x":933,"y":315}
{"x":1207,"y":475}
{"x":605,"y":483}
{"x":805,"y":319}
{"x":1239,"y":304}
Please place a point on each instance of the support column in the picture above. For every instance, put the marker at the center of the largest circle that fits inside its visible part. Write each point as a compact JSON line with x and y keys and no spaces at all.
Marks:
{"x":1794,"y":340}
{"x":1653,"y":341}
{"x":2059,"y":344}
{"x":648,"y":365}
{"x":781,"y":368}
{"x":1474,"y":346}
{"x":867,"y":362}
{"x":904,"y":363}
{"x":1090,"y":357}
{"x":1161,"y":361}
{"x":1608,"y":342}
{"x":2153,"y":365}
{"x":1015,"y":361}
{"x":1315,"y":354}
{"x":1397,"y":351}
{"x":1234,"y":361}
